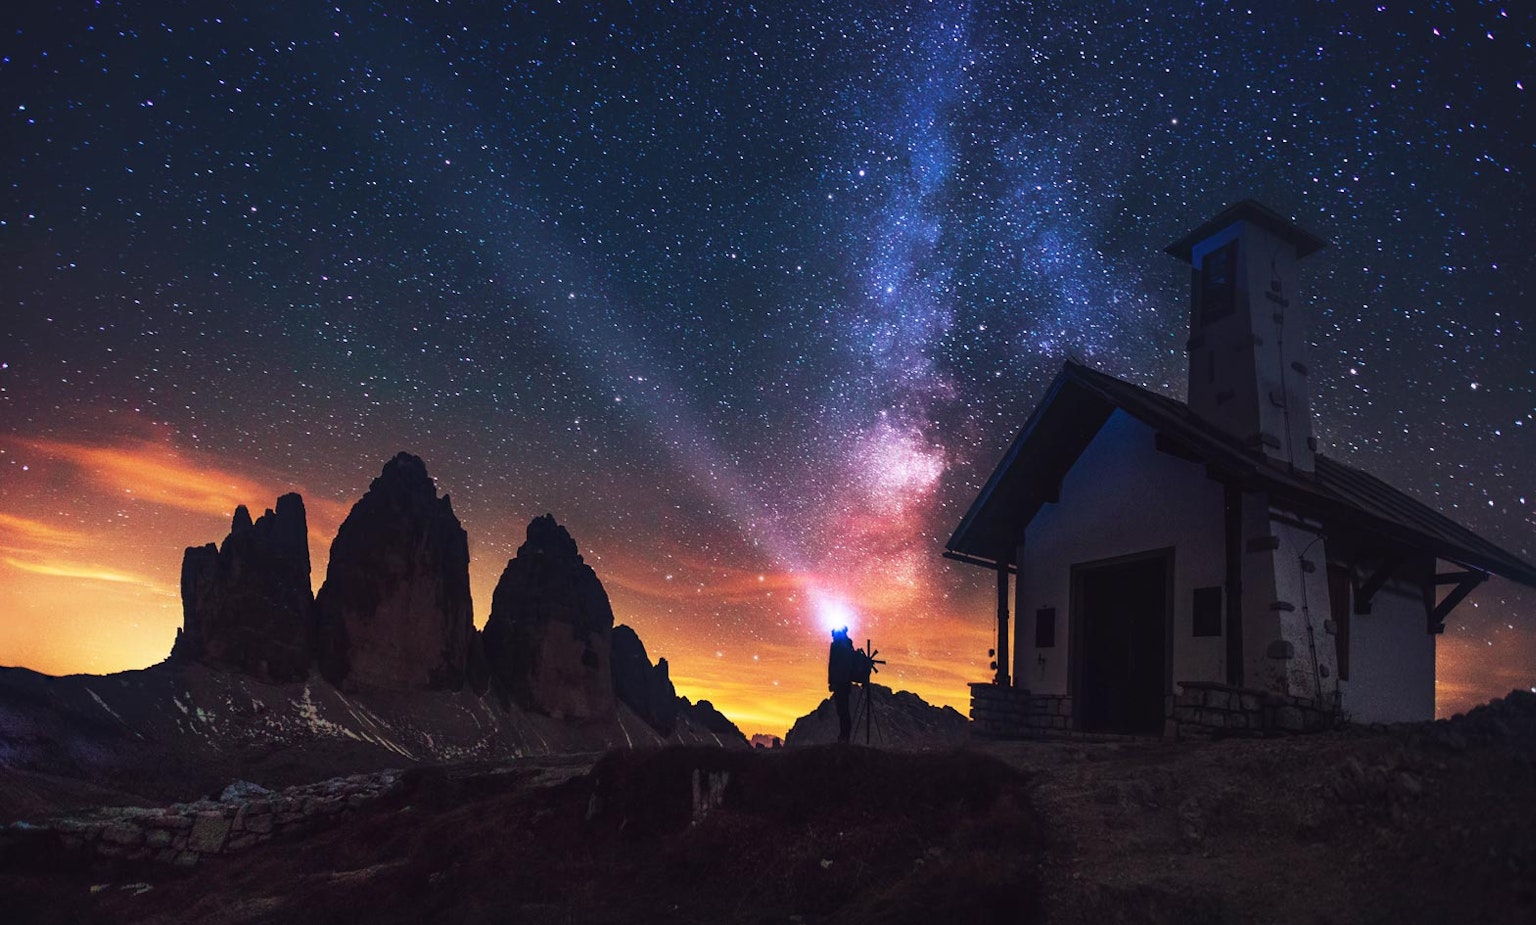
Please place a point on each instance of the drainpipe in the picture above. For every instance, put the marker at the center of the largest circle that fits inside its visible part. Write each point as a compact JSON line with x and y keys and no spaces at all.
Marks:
{"x":1234,"y":589}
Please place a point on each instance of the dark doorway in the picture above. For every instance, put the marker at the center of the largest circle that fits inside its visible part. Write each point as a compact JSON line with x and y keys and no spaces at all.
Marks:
{"x":1122,"y":644}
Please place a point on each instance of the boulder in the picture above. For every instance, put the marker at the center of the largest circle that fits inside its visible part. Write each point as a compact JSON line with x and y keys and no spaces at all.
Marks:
{"x":645,"y":688}
{"x":395,"y":610}
{"x":247,"y":604}
{"x":548,"y":639}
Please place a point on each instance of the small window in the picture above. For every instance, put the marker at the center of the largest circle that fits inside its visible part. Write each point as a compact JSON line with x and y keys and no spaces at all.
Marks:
{"x":1045,"y":628}
{"x":1208,"y":611}
{"x":1218,"y":283}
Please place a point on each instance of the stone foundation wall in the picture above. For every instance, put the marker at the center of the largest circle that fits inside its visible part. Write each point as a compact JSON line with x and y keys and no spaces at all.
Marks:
{"x":1014,"y":713}
{"x":1205,"y":708}
{"x":184,"y":833}
{"x":1200,"y":709}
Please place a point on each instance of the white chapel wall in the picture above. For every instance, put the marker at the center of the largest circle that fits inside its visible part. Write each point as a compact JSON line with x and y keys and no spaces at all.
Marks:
{"x":1391,"y":658}
{"x":1122,"y":497}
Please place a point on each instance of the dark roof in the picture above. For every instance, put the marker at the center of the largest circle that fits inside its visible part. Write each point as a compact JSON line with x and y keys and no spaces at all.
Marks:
{"x":1080,"y":400}
{"x":1304,"y":241}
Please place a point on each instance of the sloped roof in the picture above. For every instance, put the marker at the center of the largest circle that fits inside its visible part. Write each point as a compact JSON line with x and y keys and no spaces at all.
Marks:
{"x":1303,"y":240}
{"x":1080,"y":400}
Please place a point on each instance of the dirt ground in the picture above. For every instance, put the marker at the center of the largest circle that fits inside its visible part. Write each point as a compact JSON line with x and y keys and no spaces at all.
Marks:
{"x":1427,"y":823}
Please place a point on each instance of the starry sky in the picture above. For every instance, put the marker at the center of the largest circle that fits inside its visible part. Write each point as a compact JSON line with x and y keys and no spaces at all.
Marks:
{"x":752,"y":298}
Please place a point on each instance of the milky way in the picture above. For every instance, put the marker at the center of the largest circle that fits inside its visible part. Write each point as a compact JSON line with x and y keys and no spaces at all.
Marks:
{"x":751,"y":299}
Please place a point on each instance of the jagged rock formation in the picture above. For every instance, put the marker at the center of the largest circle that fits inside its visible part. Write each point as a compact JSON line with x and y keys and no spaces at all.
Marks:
{"x":901,"y":719}
{"x":704,"y":714}
{"x":248,"y":604}
{"x":395,"y":610}
{"x":646,"y":688}
{"x":547,"y":641}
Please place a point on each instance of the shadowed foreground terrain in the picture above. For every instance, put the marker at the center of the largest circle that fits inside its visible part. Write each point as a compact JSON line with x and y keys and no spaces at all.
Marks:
{"x":846,"y":833}
{"x":1432,"y":822}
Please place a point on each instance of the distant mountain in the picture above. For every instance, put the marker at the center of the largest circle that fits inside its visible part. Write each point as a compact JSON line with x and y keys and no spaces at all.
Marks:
{"x":382,"y":668}
{"x":896,"y":719}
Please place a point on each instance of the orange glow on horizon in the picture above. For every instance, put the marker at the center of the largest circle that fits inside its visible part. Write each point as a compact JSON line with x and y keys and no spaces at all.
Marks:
{"x":90,"y":573}
{"x":91,"y":568}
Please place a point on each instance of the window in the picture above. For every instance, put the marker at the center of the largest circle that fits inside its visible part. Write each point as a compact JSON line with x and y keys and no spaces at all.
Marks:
{"x":1207,"y":611}
{"x":1045,"y":628}
{"x":1218,"y":283}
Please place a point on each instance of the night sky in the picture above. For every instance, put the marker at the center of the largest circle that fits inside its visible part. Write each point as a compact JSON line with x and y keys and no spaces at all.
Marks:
{"x":750,"y":299}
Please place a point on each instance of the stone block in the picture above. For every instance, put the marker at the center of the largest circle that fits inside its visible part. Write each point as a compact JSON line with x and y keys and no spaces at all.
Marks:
{"x":158,"y":838}
{"x":186,"y":859}
{"x":1218,"y":700}
{"x":122,"y":834}
{"x":1237,"y":721}
{"x":169,"y":821}
{"x":1289,"y":719}
{"x":240,"y":842}
{"x":208,"y":833}
{"x":1251,"y":703}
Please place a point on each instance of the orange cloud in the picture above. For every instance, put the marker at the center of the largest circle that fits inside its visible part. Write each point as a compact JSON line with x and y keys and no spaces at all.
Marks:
{"x":36,"y":531}
{"x":153,"y":472}
{"x":89,"y":573}
{"x":150,"y":471}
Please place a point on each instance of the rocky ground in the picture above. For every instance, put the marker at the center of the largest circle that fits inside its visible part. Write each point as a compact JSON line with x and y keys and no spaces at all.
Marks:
{"x":1427,"y":823}
{"x":887,"y":719}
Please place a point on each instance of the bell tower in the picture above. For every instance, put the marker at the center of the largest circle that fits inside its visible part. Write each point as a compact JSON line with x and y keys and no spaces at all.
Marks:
{"x":1247,"y":341}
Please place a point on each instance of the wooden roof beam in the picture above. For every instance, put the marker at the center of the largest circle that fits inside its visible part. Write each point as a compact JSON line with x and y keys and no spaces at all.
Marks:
{"x":1465,"y":582}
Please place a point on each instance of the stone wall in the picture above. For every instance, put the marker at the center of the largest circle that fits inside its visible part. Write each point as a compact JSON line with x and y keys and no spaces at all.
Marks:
{"x":1014,"y":713}
{"x":1200,"y":709}
{"x":1208,"y":708}
{"x":184,"y":833}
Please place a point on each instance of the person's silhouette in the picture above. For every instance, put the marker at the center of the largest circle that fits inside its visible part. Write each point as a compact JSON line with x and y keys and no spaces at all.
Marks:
{"x":840,"y":667}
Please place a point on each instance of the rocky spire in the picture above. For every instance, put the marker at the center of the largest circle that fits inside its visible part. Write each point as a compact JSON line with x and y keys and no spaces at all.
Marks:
{"x":645,"y":688}
{"x":248,"y":604}
{"x":548,"y":638}
{"x":395,"y":610}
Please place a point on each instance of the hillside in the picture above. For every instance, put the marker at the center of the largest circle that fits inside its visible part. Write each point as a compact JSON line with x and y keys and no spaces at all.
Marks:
{"x":176,"y":731}
{"x":1426,"y":823}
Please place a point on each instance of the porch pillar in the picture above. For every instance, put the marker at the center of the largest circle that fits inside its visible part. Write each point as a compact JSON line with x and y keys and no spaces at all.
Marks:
{"x":1002,"y":623}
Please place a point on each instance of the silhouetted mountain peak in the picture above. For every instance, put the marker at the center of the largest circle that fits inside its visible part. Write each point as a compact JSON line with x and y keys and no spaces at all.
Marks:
{"x":547,"y":538}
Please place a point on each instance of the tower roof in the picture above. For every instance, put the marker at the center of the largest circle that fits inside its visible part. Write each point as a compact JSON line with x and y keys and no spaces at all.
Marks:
{"x":1248,"y":210}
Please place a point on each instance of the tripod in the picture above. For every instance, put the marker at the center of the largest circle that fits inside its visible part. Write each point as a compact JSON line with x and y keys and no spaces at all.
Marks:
{"x":865,"y":713}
